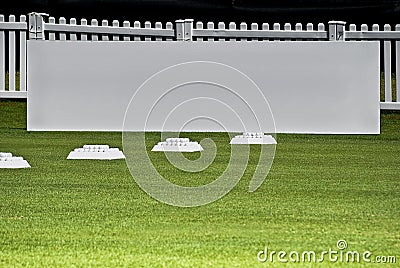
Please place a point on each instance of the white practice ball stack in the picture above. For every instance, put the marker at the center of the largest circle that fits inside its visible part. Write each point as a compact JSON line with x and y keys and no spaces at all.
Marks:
{"x":7,"y":160}
{"x":253,"y":138}
{"x":96,"y":152}
{"x":177,"y":145}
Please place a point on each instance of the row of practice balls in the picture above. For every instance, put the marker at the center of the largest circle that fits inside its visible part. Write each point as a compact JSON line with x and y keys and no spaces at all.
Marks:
{"x":104,"y":152}
{"x":100,"y":152}
{"x":95,"y":152}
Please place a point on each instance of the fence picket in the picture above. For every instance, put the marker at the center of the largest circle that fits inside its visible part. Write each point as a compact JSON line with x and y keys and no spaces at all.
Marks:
{"x":169,"y":26}
{"x":321,"y":27}
{"x":104,"y":37}
{"x":11,"y":60}
{"x":277,"y":27}
{"x":63,"y":35}
{"x":232,"y":26}
{"x":22,"y":56}
{"x":2,"y":58}
{"x":375,"y":28}
{"x":287,"y":27}
{"x":52,"y":35}
{"x":72,"y":36}
{"x":364,"y":27}
{"x":221,"y":26}
{"x":254,"y":26}
{"x":126,"y":24}
{"x":147,"y":25}
{"x":115,"y":23}
{"x":94,"y":36}
{"x":352,"y":28}
{"x":243,"y":27}
{"x":397,"y":28}
{"x":199,"y":25}
{"x":265,"y":27}
{"x":310,"y":28}
{"x":387,"y":69}
{"x":136,"y":25}
{"x":83,"y":35}
{"x":158,"y":25}
{"x":298,"y":27}
{"x":210,"y":26}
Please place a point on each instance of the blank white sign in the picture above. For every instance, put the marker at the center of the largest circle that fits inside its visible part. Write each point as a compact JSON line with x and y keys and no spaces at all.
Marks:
{"x":311,"y":87}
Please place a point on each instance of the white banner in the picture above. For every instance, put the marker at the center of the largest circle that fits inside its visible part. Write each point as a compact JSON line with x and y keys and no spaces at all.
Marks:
{"x":311,"y":87}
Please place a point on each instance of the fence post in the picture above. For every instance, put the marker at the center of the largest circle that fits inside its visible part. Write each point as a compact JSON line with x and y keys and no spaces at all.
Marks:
{"x":179,"y":31}
{"x":36,"y":25}
{"x":336,"y":30}
{"x":397,"y":28}
{"x":2,"y":58}
{"x":188,"y":29}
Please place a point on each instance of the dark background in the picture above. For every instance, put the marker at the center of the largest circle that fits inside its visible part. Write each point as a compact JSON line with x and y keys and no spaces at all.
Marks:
{"x":304,"y":11}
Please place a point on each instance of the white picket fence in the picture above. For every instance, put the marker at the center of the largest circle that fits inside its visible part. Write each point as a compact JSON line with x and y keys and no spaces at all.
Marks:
{"x":12,"y":27}
{"x":13,"y":36}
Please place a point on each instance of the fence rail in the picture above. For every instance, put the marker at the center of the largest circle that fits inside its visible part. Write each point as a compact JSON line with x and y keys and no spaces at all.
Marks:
{"x":255,"y":33}
{"x":114,"y":29}
{"x":13,"y":36}
{"x":259,"y":34}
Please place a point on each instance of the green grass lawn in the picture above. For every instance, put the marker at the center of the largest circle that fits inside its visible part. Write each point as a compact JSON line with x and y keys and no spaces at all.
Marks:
{"x":321,"y":188}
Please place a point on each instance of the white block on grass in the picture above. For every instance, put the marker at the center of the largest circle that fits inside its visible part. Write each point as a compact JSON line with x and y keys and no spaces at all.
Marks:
{"x":96,"y":152}
{"x":177,"y":145}
{"x":9,"y":161}
{"x":253,"y":138}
